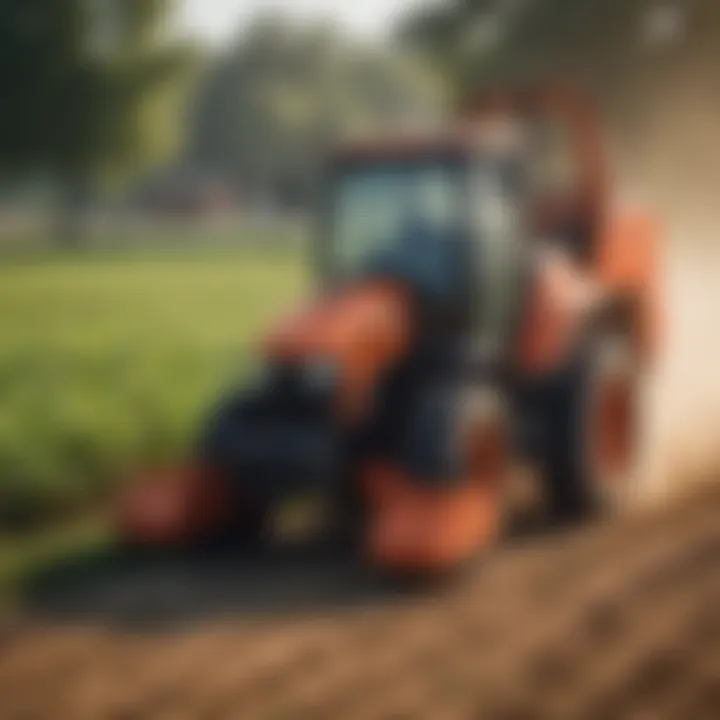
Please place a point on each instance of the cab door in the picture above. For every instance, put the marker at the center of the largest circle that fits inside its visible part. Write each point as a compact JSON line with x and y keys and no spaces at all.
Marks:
{"x":499,"y":231}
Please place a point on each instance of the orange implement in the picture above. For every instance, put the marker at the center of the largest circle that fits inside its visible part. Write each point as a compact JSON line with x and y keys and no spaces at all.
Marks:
{"x":174,"y":506}
{"x":417,"y":529}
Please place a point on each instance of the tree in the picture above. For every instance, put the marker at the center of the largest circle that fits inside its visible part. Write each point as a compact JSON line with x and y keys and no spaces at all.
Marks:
{"x":455,"y":35}
{"x":463,"y":37}
{"x":90,"y":91}
{"x":273,"y":102}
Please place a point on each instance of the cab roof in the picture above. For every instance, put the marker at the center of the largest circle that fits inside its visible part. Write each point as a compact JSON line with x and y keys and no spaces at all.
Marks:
{"x":497,"y":136}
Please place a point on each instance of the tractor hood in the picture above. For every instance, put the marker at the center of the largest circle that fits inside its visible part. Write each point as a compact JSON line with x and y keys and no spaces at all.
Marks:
{"x":356,"y":334}
{"x":287,"y":434}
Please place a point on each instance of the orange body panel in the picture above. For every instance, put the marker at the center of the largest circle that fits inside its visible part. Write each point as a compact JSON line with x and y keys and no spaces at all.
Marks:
{"x":361,"y":330}
{"x":417,"y":529}
{"x":627,"y":265}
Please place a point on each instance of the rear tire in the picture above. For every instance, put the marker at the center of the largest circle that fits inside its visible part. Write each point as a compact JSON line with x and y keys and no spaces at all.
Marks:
{"x":592,"y":422}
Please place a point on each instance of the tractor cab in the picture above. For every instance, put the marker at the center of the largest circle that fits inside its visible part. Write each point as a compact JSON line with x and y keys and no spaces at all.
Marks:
{"x":445,"y":217}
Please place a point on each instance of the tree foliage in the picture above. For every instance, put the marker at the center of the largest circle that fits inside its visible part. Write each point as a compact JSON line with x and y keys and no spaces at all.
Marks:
{"x":455,"y":35}
{"x":90,"y":87}
{"x":272,"y":103}
{"x":465,"y":37}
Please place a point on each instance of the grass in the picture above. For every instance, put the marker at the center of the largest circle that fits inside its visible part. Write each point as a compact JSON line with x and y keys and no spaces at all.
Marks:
{"x":49,"y":553}
{"x":108,"y":359}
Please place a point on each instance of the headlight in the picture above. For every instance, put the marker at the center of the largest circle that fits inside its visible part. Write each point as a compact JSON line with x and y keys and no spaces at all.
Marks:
{"x":321,"y":375}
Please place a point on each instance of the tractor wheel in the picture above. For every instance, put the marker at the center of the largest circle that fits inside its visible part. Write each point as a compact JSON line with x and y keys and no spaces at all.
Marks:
{"x":594,"y":431}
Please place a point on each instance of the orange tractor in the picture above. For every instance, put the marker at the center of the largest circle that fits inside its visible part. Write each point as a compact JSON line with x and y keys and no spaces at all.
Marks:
{"x":480,"y":303}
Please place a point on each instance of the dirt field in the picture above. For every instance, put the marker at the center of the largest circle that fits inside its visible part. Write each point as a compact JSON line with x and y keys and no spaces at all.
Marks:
{"x":611,"y":622}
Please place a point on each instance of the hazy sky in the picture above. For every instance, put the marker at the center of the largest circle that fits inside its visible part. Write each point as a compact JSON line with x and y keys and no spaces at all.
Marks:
{"x":217,"y":19}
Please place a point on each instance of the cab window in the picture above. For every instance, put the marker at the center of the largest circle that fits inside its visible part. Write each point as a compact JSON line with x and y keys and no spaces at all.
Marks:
{"x":498,"y":226}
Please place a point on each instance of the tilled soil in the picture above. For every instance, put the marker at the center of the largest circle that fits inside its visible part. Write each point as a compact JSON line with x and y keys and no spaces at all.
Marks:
{"x":619,"y":621}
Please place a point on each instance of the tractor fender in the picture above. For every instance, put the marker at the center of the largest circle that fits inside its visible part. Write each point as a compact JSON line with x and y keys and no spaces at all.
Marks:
{"x":628,"y":269}
{"x":361,"y":330}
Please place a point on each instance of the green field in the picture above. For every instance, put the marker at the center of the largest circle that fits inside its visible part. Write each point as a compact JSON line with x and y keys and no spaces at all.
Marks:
{"x":107,"y":361}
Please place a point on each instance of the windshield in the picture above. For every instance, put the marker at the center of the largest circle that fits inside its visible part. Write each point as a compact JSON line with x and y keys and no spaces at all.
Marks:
{"x":383,"y":211}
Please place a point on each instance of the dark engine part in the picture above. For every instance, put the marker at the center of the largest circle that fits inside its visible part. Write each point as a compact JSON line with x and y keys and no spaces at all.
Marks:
{"x":277,"y":439}
{"x":429,"y":446}
{"x":417,"y":423}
